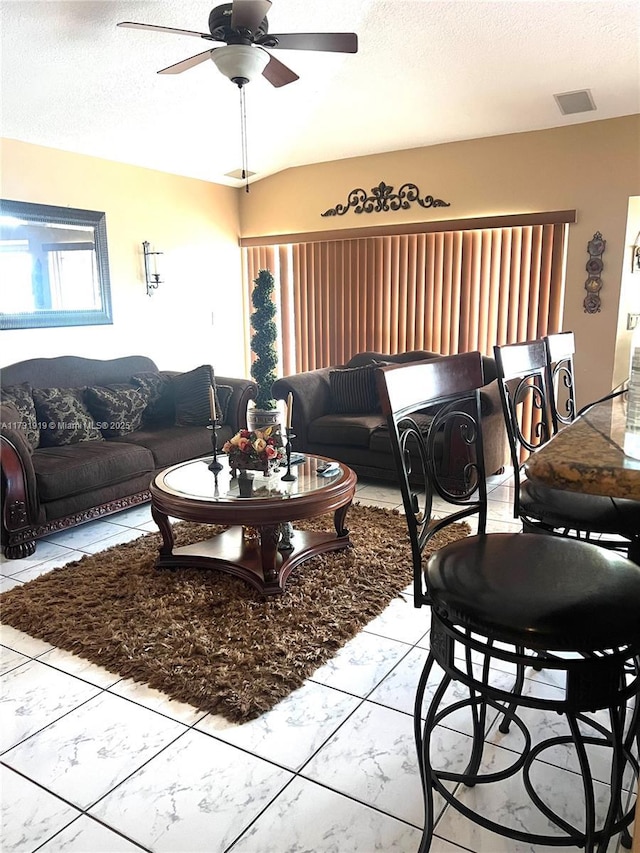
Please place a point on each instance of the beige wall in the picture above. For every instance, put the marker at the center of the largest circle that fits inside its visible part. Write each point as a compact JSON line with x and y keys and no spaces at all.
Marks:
{"x":196,"y":316}
{"x":593,"y":168}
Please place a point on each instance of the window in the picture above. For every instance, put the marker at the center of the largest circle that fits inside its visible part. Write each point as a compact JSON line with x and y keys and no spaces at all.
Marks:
{"x":450,"y":287}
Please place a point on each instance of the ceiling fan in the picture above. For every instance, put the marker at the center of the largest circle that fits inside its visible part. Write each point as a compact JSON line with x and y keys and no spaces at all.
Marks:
{"x":243,"y":27}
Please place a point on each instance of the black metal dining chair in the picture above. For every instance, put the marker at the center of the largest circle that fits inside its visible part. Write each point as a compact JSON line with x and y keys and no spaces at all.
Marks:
{"x":560,"y":348}
{"x":506,"y":602}
{"x":525,"y":380}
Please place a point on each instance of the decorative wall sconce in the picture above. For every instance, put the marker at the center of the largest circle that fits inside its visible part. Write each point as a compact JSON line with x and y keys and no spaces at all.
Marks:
{"x":635,"y":258}
{"x":152,"y":277}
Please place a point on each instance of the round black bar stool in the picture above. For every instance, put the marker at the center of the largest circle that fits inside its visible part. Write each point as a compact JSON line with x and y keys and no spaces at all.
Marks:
{"x":559,"y":605}
{"x":519,"y":603}
{"x":527,"y":378}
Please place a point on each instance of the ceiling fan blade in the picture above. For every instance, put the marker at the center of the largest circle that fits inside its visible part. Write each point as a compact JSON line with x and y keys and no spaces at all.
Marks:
{"x":192,"y":61}
{"x":278,"y":74}
{"x":248,"y":14}
{"x":337,"y":42}
{"x":135,"y":26}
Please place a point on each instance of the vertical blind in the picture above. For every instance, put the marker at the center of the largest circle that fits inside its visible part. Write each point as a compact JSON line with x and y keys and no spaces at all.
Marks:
{"x":447,"y":291}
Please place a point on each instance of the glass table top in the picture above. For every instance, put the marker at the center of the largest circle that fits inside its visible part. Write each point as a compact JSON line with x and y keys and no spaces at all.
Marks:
{"x":193,"y":479}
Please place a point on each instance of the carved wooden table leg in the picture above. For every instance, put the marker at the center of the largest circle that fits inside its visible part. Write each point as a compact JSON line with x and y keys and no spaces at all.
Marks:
{"x":339,"y":517}
{"x":165,"y":529}
{"x":269,"y":538}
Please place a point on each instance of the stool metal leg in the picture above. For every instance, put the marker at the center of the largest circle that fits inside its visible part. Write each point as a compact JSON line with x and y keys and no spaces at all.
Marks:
{"x":424,"y":757}
{"x":587,"y":787}
{"x":478,"y":709}
{"x":417,"y":711}
{"x":517,"y":690}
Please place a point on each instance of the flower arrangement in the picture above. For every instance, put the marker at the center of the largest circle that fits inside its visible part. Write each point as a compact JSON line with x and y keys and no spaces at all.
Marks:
{"x":257,"y":450}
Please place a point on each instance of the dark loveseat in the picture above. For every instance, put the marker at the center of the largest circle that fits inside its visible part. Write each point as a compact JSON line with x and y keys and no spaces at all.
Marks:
{"x":82,"y":438}
{"x":336,"y":413}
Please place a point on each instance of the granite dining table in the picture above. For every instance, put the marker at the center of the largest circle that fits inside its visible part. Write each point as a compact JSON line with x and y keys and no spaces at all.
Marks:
{"x":587,"y":455}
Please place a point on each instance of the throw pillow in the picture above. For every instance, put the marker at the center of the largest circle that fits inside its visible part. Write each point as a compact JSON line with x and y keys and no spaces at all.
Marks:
{"x":159,"y":390}
{"x":354,"y":390}
{"x":64,"y":417}
{"x":191,"y":395}
{"x":21,"y":396}
{"x":117,"y":409}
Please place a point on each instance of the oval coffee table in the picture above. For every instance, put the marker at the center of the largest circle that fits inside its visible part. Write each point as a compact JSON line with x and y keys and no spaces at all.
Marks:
{"x":191,"y":492}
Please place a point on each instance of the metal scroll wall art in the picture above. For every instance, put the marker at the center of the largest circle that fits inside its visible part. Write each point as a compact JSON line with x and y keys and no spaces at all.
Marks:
{"x":383,"y":199}
{"x":593,"y":284}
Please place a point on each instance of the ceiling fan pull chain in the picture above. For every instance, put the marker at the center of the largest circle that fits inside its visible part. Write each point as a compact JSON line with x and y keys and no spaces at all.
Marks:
{"x":243,"y":138}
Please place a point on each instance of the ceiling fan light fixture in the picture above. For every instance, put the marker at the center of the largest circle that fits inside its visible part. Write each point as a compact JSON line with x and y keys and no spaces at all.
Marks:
{"x":240,"y":62}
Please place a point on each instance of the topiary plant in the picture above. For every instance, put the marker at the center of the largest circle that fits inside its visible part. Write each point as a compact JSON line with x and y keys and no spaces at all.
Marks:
{"x":263,"y":340}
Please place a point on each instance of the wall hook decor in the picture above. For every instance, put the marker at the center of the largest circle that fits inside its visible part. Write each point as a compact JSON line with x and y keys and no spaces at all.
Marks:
{"x":593,"y":284}
{"x":383,"y":199}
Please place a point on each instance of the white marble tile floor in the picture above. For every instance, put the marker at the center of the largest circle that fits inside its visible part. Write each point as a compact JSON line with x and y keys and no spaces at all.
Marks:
{"x":95,"y":763}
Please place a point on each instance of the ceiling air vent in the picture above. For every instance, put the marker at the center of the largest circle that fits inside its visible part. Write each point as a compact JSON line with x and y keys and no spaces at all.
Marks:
{"x":575,"y":102}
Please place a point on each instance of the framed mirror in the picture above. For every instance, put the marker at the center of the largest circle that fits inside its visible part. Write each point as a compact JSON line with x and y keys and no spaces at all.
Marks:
{"x":54,"y":266}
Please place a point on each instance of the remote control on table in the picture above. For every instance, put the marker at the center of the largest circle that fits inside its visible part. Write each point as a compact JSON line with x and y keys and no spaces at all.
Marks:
{"x":328,"y":469}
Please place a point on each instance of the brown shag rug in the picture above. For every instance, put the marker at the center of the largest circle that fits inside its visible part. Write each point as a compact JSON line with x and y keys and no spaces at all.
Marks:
{"x":207,"y":638}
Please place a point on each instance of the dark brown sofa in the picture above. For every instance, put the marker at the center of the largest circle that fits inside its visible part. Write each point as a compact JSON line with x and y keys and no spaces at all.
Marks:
{"x":360,"y":438}
{"x":51,"y":481}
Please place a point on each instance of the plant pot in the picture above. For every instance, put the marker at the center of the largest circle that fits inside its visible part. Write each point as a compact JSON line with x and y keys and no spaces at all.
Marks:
{"x":263,"y":418}
{"x":245,"y":484}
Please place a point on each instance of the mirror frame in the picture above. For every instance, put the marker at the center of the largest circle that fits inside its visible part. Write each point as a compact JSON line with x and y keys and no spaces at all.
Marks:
{"x":64,"y":216}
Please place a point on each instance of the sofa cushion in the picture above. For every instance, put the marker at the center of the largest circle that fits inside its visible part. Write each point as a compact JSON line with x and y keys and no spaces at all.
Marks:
{"x":117,"y":409}
{"x":81,"y":507}
{"x":161,"y":408}
{"x":70,"y":470}
{"x":380,"y":437}
{"x":354,"y":391}
{"x":354,"y":430}
{"x":21,"y":396}
{"x":64,"y":417}
{"x":173,"y":444}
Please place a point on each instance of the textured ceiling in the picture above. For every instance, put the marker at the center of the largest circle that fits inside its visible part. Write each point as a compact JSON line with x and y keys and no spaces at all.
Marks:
{"x":426,"y":72}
